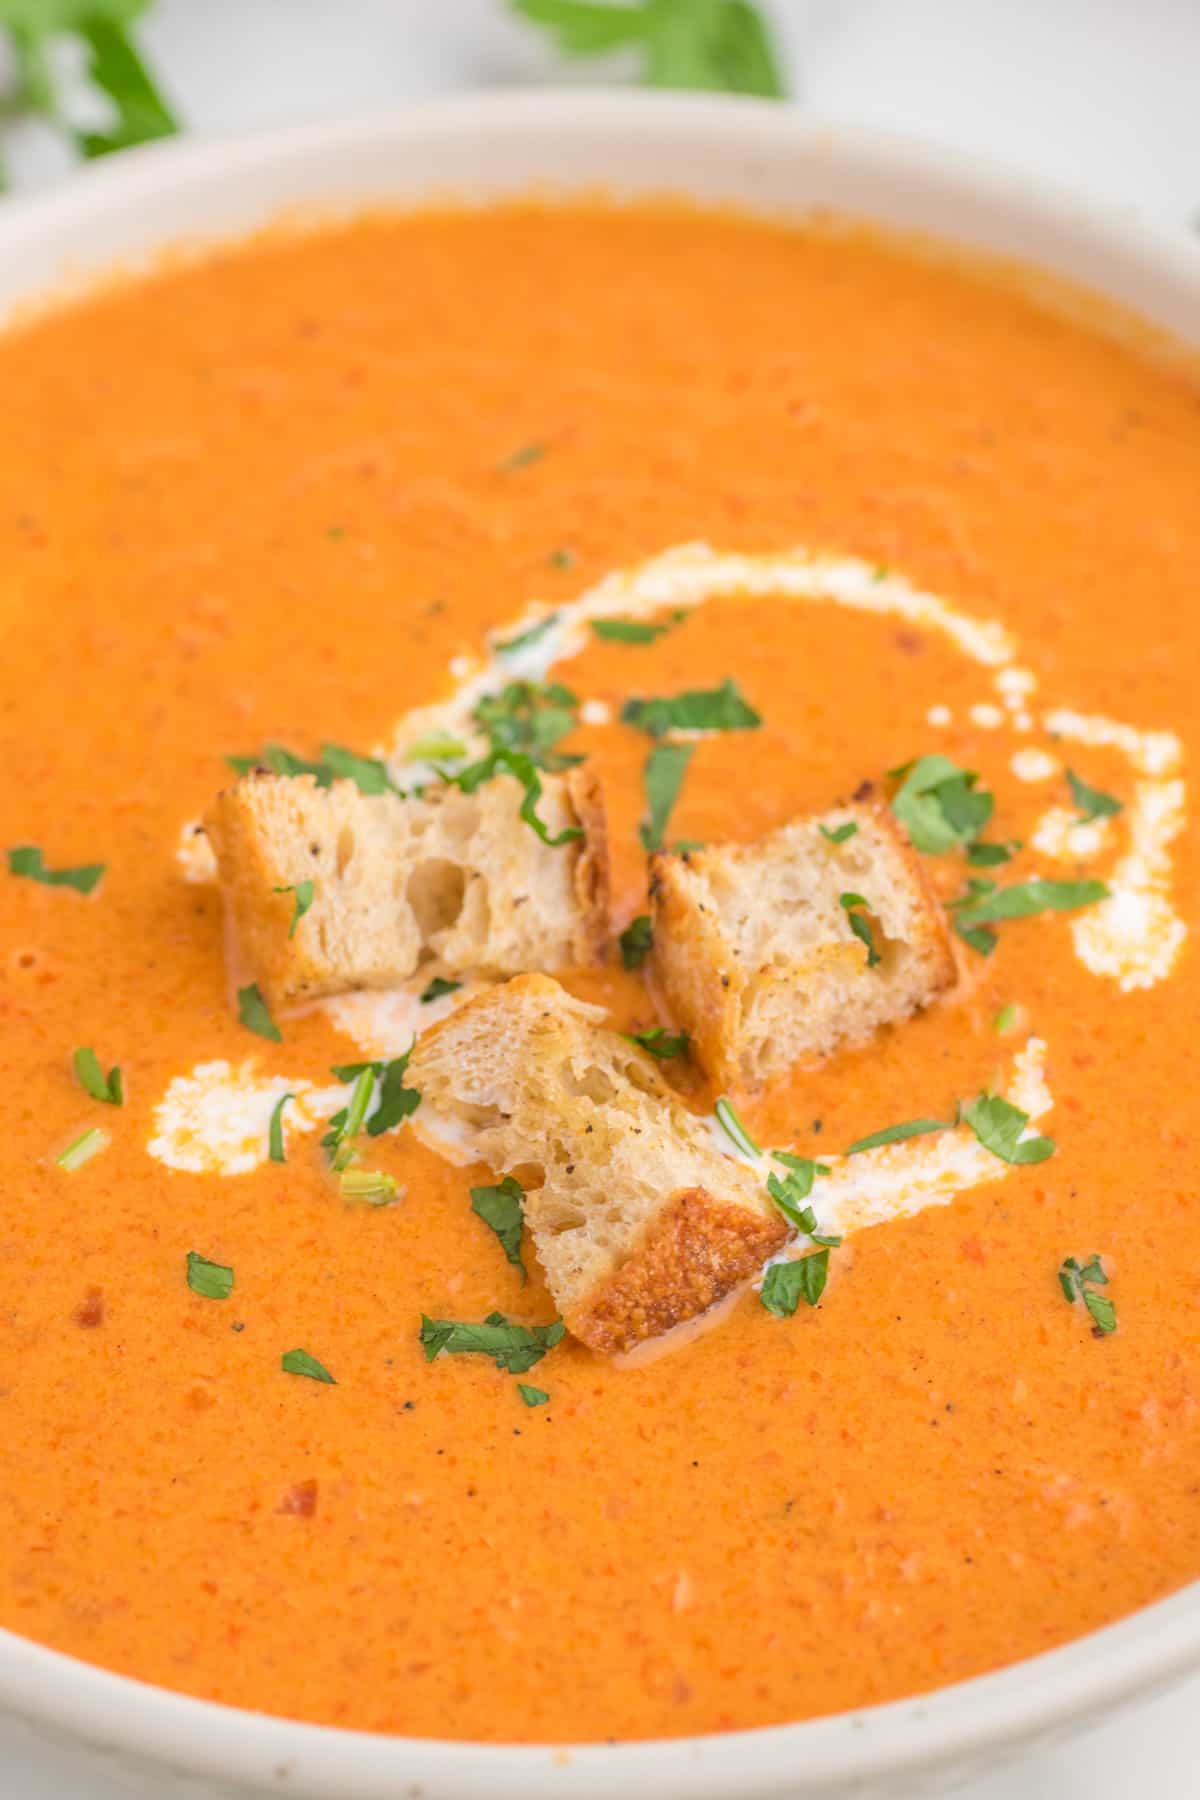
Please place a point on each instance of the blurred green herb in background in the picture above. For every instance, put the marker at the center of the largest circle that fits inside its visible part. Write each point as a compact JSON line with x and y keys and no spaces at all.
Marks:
{"x":114,"y":68}
{"x":713,"y":44}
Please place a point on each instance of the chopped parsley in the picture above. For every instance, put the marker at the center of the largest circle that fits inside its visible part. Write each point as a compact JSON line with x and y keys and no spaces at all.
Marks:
{"x":394,"y":1102}
{"x":1007,"y":1019}
{"x":630,"y":631}
{"x":636,"y":941}
{"x":733,"y":1128}
{"x":940,"y":805}
{"x":856,"y":907}
{"x":1024,"y":900}
{"x":304,"y":892}
{"x":275,"y":1150}
{"x":562,"y":558}
{"x":1092,"y":802}
{"x":662,"y":778}
{"x":1079,"y":1281}
{"x":374,"y":1186}
{"x":438,"y":988}
{"x":899,"y":1134}
{"x":521,"y":459}
{"x":335,"y":763}
{"x":785,"y":1284}
{"x":998,"y":1125}
{"x":723,"y":44}
{"x":88,"y":1072}
{"x":500,"y":1209}
{"x":530,"y":717}
{"x":533,"y":1396}
{"x":514,"y":1348}
{"x":990,"y":856}
{"x":659,"y":1042}
{"x":515,"y":762}
{"x":82,"y":1149}
{"x":790,"y":1193}
{"x":700,"y":709}
{"x":26,"y":860}
{"x":255,"y":1015}
{"x":840,"y":834}
{"x":524,"y":639}
{"x":299,"y":1362}
{"x":213,"y":1281}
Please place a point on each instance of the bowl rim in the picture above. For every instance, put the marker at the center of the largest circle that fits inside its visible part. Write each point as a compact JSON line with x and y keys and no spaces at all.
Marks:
{"x":1058,"y":1689}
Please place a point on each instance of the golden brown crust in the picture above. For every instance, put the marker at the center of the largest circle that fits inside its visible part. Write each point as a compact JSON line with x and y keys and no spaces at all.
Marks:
{"x":593,"y":866}
{"x":690,"y":970}
{"x":259,"y":917}
{"x":696,"y":1251}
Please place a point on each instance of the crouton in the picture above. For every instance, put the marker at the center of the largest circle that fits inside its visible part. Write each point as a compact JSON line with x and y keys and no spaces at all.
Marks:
{"x":454,"y":881}
{"x":638,"y":1221}
{"x":755,"y":953}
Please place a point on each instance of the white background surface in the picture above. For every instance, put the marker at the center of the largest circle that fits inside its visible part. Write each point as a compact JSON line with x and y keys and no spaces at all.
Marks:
{"x":1100,"y":95}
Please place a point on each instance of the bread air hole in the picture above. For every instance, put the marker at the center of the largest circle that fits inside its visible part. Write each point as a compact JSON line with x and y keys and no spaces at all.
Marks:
{"x":435,"y":893}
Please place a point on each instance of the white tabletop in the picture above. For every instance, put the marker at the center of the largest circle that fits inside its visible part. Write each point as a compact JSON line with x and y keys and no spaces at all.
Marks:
{"x":1100,"y":95}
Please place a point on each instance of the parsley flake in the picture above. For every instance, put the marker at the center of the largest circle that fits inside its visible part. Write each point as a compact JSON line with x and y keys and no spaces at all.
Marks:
{"x":629,"y":631}
{"x":1024,"y":900}
{"x":515,"y":762}
{"x":82,"y":1149}
{"x":735,"y":1131}
{"x":500,"y":1209}
{"x":299,"y":1362}
{"x":855,"y":907}
{"x":1079,"y":1281}
{"x":940,"y":805}
{"x":790,"y":1193}
{"x":335,"y":763}
{"x":521,"y":459}
{"x":304,"y":892}
{"x":88,"y":1072}
{"x":785,"y":1284}
{"x":636,"y":941}
{"x":514,"y":1348}
{"x":26,"y":861}
{"x":436,"y":746}
{"x":724,"y":44}
{"x":275,"y":1150}
{"x":255,"y":1015}
{"x":899,"y":1134}
{"x":438,"y":988}
{"x":373,"y":1186}
{"x":524,"y":639}
{"x":1092,"y":802}
{"x":662,"y":777}
{"x":700,"y":709}
{"x":840,"y":834}
{"x":213,"y":1281}
{"x":532,"y":1396}
{"x":530,"y":717}
{"x":659,"y":1042}
{"x":998,"y":1125}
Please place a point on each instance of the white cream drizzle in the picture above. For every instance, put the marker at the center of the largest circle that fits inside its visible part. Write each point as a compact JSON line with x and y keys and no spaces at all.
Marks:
{"x":215,"y":1121}
{"x":1062,"y":834}
{"x":1033,"y":765}
{"x":1135,"y":935}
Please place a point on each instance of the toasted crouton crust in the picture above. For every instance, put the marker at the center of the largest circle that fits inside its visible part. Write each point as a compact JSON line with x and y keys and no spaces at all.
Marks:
{"x":754,"y":955}
{"x":638,"y":1221}
{"x":459,"y":882}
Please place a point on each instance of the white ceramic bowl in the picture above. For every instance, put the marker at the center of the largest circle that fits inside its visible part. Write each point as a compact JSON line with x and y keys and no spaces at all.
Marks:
{"x":478,"y":146}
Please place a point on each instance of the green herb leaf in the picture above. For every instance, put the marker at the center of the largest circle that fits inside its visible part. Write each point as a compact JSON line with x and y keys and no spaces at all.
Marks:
{"x":524,"y":639}
{"x":940,"y":805}
{"x":1092,"y":802}
{"x":841,"y":834}
{"x":717,"y":45}
{"x":562,"y":558}
{"x":500,"y":1209}
{"x":304,"y":892}
{"x":26,"y":860}
{"x":299,"y":1362}
{"x":212,"y":1280}
{"x":1078,"y":1282}
{"x":990,"y":856}
{"x":107,"y":1088}
{"x":82,"y":1149}
{"x":275,"y":1150}
{"x":438,"y":988}
{"x":518,"y":764}
{"x":662,"y":778}
{"x":521,"y":459}
{"x":854,"y":905}
{"x":533,"y":1396}
{"x":735,"y":1131}
{"x":1025,"y":900}
{"x":629,"y":631}
{"x":118,"y":71}
{"x":1006,"y":1019}
{"x":998,"y":1125}
{"x":785,"y":1284}
{"x":336,"y":763}
{"x":514,"y":1348}
{"x":636,"y":941}
{"x":111,"y":64}
{"x":659,"y":1042}
{"x":530,"y":717}
{"x":899,"y":1134}
{"x":254,"y":1015}
{"x":791,"y":1191}
{"x":699,"y":709}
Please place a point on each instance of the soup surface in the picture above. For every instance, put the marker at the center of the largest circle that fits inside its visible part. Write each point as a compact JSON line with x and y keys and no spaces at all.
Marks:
{"x":280,"y":496}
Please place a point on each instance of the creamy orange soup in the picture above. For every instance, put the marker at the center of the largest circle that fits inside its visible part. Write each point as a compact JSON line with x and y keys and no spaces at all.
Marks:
{"x":272,"y":497}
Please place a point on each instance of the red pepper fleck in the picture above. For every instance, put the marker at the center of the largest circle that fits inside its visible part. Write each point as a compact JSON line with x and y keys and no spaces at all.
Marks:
{"x":90,"y":1311}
